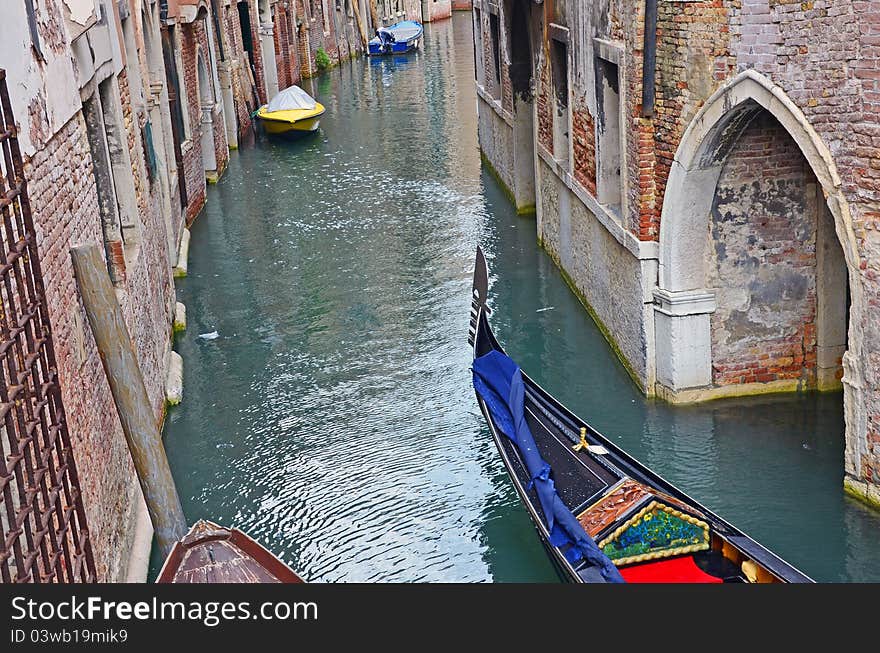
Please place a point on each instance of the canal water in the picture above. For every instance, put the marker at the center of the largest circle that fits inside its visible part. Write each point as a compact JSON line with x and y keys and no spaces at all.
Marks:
{"x":328,"y":408}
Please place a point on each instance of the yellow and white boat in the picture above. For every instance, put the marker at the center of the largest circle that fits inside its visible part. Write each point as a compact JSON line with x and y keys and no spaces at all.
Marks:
{"x":291,"y":110}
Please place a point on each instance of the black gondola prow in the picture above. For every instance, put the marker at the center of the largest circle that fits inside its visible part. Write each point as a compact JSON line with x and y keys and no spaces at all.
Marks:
{"x":479,"y":293}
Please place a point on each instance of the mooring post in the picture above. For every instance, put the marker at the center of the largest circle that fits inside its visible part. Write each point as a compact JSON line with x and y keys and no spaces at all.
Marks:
{"x":130,"y":395}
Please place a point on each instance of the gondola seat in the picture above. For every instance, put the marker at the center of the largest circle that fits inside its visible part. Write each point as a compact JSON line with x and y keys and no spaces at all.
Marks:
{"x":681,"y":569}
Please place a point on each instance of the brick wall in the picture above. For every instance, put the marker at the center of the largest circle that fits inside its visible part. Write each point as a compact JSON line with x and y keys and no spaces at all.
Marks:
{"x":584,"y":145}
{"x":693,"y":58}
{"x":545,"y":106}
{"x":312,"y":35}
{"x":64,"y":202}
{"x":763,"y":236}
{"x":65,"y":208}
{"x":286,"y":48}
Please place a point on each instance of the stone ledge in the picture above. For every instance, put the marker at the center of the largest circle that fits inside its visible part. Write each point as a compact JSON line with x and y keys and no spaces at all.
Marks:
{"x":174,"y":381}
{"x":710,"y":393}
{"x":683,"y":303}
{"x":486,"y":97}
{"x":180,"y":268}
{"x":639,"y":248}
{"x":868,"y":493}
{"x":179,"y":321}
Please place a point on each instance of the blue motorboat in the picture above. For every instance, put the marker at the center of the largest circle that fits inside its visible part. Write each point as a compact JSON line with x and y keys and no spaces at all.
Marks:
{"x":396,"y":39}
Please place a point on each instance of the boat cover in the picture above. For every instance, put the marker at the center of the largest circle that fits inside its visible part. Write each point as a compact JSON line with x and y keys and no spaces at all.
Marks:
{"x":291,"y":98}
{"x":405,"y":30}
{"x":498,"y":381}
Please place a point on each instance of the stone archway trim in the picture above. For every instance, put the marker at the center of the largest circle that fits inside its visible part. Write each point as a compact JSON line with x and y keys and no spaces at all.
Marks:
{"x":686,"y":204}
{"x":682,"y":301}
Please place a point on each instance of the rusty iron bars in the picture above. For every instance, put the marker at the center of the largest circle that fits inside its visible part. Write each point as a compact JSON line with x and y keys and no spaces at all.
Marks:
{"x":43,"y":533}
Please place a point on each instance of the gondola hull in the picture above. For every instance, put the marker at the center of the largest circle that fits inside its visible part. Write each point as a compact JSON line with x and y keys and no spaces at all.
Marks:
{"x":648,"y":528}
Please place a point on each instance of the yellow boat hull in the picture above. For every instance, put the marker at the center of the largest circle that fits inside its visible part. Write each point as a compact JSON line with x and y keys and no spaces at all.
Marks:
{"x":296,"y":120}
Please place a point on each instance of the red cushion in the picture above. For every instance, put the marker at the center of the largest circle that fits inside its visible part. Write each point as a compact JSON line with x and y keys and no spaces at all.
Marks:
{"x":673,"y":570}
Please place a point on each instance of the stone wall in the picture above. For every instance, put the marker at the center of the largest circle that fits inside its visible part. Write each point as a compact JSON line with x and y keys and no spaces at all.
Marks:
{"x":605,"y":275}
{"x":496,"y":140}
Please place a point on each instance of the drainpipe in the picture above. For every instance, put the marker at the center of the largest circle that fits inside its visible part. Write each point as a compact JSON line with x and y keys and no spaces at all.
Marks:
{"x":649,"y":61}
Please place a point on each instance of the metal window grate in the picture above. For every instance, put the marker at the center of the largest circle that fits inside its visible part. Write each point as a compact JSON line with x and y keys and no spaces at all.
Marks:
{"x":43,"y":534}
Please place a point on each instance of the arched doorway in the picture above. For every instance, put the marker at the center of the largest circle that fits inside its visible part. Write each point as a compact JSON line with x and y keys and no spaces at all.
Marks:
{"x":758,"y":277}
{"x":521,"y":72}
{"x":206,"y":107}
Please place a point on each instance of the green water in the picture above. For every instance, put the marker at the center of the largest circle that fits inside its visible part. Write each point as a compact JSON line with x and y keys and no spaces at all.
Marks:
{"x":333,"y":418}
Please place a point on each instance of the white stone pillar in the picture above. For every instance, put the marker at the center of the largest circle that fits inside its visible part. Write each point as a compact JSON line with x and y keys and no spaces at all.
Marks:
{"x":270,"y":68}
{"x":683,"y":338}
{"x":209,"y":154}
{"x":224,"y":74}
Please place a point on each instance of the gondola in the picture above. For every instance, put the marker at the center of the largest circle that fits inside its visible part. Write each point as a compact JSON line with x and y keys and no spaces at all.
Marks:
{"x":601,"y":515}
{"x":212,"y":554}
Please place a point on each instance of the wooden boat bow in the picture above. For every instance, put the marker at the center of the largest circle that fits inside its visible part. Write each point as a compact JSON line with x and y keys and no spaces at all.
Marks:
{"x":210,"y":553}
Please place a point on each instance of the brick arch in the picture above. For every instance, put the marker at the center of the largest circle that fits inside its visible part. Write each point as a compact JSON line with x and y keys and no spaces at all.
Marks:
{"x":698,"y":162}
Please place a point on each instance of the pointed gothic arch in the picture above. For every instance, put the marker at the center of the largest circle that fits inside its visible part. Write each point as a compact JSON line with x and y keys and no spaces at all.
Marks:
{"x":682,"y":302}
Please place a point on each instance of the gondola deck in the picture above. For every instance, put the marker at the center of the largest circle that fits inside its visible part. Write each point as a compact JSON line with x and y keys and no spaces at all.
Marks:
{"x":648,"y":528}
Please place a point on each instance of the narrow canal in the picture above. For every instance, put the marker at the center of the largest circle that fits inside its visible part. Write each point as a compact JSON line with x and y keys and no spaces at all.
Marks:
{"x":328,"y":408}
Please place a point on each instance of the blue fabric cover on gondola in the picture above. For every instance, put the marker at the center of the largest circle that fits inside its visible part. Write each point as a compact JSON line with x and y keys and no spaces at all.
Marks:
{"x":498,"y":380}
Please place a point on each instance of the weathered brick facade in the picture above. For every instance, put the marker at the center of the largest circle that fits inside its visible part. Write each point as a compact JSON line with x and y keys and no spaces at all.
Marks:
{"x":764,"y":226}
{"x":814,"y":68}
{"x":65,"y":208}
{"x":584,"y":144}
{"x":286,"y":46}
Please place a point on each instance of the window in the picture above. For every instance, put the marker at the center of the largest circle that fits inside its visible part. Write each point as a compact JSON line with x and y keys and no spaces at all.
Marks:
{"x":247,"y":37}
{"x":496,"y":50}
{"x":608,"y":182}
{"x":132,"y":67}
{"x":107,"y":205}
{"x":32,"y":26}
{"x":559,"y":64}
{"x":120,"y":161}
{"x":559,"y":74}
{"x":215,"y":19}
{"x":479,"y":65}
